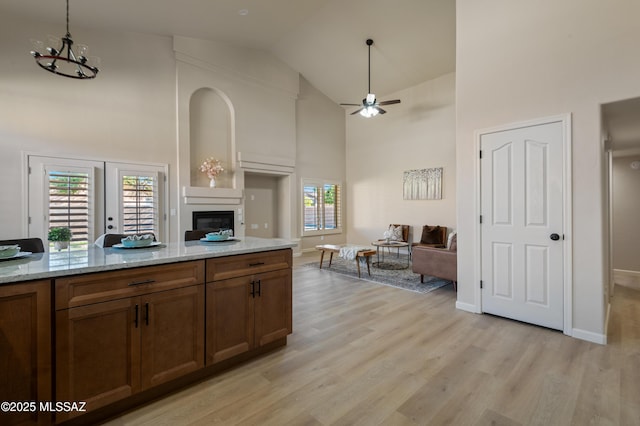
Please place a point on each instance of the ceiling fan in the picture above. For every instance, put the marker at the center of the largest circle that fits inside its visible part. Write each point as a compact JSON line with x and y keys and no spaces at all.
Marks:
{"x":370,"y":107}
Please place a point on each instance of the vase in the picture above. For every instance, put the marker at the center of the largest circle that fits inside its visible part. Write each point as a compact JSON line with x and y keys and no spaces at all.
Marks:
{"x":212,"y":183}
{"x":59,"y":245}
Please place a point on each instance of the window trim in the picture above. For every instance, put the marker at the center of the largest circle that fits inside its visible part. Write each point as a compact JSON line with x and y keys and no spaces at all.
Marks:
{"x":320,"y":183}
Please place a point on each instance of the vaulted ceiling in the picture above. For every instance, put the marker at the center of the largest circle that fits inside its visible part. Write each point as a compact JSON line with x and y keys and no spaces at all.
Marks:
{"x":324,"y":40}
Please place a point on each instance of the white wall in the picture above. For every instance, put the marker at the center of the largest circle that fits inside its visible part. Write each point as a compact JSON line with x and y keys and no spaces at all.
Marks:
{"x":321,"y":148}
{"x":522,"y":60}
{"x":127,"y":113}
{"x":418,"y":133}
{"x":626,"y":211}
{"x":261,"y":93}
{"x":261,"y":205}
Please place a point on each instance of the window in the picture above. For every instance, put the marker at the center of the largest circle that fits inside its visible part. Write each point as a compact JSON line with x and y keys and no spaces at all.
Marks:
{"x":322,"y":207}
{"x":70,"y":203}
{"x":139,"y":204}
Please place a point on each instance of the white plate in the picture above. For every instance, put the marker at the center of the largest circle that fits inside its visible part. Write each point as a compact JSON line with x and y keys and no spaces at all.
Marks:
{"x":18,"y":255}
{"x":204,"y":240}
{"x":120,"y":246}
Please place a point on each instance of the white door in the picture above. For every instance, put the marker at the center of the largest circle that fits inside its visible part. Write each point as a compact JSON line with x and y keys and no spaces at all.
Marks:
{"x":134,"y":202}
{"x":522,"y":224}
{"x":65,"y":192}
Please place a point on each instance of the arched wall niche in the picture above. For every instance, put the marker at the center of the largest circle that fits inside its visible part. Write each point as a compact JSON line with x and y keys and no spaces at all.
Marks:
{"x":211,"y":131}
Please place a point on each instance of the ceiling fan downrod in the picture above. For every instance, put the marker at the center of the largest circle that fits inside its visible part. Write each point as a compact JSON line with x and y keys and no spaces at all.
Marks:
{"x":369,"y":43}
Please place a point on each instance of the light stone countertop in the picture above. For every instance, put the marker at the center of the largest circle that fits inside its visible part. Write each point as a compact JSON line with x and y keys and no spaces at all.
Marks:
{"x":96,"y":259}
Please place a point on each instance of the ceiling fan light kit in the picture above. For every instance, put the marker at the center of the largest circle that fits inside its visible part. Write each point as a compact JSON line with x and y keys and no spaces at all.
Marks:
{"x":62,"y":60}
{"x":370,"y":107}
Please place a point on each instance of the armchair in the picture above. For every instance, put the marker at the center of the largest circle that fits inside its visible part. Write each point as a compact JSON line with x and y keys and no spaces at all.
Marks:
{"x":402,"y":236}
{"x":437,"y":262}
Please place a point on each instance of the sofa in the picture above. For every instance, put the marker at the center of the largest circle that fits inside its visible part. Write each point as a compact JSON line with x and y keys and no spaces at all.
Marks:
{"x":437,"y":262}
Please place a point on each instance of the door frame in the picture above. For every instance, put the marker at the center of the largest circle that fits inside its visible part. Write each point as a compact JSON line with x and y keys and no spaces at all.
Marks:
{"x":567,"y":214}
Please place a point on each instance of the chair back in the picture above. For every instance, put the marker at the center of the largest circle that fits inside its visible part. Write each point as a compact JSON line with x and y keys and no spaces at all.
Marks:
{"x":434,"y":235}
{"x":34,"y":245}
{"x":111,"y":239}
{"x":195,"y":234}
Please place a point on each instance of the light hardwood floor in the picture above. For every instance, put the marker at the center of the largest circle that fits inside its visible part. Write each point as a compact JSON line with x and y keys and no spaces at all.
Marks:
{"x":366,"y":354}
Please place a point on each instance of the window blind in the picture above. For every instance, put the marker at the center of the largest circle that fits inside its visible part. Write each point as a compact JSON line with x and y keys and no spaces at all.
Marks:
{"x":69,"y":202}
{"x":139,"y":204}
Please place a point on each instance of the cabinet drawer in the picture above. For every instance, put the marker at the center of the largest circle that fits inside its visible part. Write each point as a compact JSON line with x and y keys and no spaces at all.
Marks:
{"x":222,"y":268}
{"x":102,"y":286}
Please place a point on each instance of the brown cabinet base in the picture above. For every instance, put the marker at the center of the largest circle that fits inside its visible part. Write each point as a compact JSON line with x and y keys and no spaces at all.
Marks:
{"x":118,"y":408}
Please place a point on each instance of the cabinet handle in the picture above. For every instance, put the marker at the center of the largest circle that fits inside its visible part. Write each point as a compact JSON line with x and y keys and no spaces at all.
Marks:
{"x":136,"y":320}
{"x":253,"y":289}
{"x":256,"y":264}
{"x":259,"y":287}
{"x":146,"y":313}
{"x":141,"y":282}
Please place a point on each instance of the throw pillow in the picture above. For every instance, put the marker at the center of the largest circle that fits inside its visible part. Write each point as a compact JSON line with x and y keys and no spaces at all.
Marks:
{"x":450,"y":239}
{"x":396,"y":233}
{"x":454,"y":243}
{"x":431,"y":235}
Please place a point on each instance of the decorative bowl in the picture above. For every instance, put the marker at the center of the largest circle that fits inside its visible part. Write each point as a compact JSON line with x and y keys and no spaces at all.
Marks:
{"x":214,"y":236}
{"x":137,"y":241}
{"x":9,"y":251}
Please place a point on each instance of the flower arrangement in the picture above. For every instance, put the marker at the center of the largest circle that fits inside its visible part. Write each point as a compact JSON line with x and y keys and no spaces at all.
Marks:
{"x":212,"y":167}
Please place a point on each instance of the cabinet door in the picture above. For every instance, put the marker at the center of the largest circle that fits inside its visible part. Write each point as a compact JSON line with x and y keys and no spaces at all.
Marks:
{"x":25,"y":349}
{"x":229,"y":318}
{"x":172,"y":341}
{"x":273,"y":307}
{"x":98,"y":353}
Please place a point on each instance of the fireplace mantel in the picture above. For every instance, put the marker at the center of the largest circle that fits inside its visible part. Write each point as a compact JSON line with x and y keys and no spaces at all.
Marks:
{"x":202,"y":195}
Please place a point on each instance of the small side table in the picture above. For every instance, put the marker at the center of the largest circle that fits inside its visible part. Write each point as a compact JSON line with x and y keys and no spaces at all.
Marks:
{"x":391,"y":244}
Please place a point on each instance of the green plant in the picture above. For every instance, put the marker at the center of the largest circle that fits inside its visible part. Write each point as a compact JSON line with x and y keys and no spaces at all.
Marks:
{"x":60,"y":233}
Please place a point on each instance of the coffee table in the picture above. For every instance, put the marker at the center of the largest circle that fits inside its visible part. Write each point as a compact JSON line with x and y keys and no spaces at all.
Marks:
{"x":391,"y":244}
{"x":335,"y":248}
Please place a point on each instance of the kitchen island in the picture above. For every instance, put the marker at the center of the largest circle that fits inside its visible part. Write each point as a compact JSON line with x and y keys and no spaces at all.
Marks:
{"x":108,"y":329}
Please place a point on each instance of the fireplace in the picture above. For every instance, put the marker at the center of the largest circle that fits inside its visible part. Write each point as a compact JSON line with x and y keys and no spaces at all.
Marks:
{"x":213,"y":220}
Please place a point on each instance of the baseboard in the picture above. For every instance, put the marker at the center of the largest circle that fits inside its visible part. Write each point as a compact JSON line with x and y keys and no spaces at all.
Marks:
{"x":630,"y":279}
{"x":628,"y":273}
{"x":589,"y":336}
{"x":466,"y":307}
{"x":606,"y":321}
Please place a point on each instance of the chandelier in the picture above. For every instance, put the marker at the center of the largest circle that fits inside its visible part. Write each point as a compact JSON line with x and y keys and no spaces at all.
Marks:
{"x":62,"y":60}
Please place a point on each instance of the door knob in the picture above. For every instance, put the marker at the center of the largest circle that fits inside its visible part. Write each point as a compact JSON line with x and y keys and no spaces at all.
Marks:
{"x":554,"y":237}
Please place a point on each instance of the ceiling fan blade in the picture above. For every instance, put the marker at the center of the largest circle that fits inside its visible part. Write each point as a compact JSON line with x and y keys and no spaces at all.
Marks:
{"x":356,"y":111}
{"x":350,"y":104}
{"x":394,"y":101}
{"x":381,"y":111}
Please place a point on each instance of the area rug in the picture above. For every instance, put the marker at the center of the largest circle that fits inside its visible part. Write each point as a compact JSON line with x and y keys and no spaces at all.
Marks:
{"x":396,"y":274}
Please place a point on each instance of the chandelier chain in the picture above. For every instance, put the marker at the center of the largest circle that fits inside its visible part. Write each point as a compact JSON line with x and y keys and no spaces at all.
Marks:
{"x":68,"y":34}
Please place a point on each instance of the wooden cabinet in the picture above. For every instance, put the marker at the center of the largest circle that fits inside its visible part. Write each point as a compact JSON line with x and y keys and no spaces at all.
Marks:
{"x":25,"y":349}
{"x":248,"y":303}
{"x":108,"y":350}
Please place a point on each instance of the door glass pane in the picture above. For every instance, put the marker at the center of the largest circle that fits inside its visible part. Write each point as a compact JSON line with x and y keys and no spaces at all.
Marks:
{"x":69,"y":204}
{"x":139,"y":204}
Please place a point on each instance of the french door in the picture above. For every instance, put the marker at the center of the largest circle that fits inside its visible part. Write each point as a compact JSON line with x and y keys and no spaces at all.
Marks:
{"x":93,"y":197}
